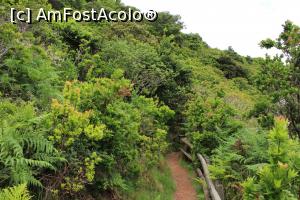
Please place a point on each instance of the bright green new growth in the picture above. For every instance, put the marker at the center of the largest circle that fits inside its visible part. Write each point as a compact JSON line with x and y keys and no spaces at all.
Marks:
{"x":18,"y":192}
{"x":275,"y":180}
{"x":99,"y":126}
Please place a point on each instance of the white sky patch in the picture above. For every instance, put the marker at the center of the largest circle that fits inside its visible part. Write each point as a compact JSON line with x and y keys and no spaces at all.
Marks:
{"x":241,"y":24}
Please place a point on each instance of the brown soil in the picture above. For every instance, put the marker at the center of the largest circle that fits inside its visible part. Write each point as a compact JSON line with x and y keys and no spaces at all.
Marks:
{"x":184,"y":187}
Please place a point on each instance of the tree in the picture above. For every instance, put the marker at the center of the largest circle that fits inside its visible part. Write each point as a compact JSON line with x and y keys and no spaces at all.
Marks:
{"x":166,"y":24}
{"x":287,"y":83}
{"x":230,"y":68}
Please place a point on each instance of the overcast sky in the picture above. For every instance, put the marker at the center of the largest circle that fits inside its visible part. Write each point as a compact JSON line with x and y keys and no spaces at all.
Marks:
{"x":241,"y":24}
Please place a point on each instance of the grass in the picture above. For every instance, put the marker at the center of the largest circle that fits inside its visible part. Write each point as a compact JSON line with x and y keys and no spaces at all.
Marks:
{"x":195,"y":180}
{"x":157,"y":184}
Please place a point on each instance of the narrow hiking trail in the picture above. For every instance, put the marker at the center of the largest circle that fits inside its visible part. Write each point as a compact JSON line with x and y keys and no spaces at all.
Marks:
{"x":184,"y":186}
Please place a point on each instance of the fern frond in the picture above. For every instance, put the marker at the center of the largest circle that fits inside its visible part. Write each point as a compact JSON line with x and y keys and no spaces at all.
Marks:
{"x":20,"y":155}
{"x":38,"y":143}
{"x":36,"y":163}
{"x":19,"y":192}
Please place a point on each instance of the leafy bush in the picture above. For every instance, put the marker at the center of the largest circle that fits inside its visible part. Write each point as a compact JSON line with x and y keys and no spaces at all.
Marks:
{"x":28,"y":74}
{"x":107,"y":133}
{"x":237,"y":158}
{"x":278,"y":179}
{"x":230,"y":68}
{"x":209,"y":122}
{"x":245,"y":168}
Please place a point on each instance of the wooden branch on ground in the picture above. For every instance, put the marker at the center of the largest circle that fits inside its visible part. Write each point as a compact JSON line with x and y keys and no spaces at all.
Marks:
{"x":204,"y":185}
{"x":186,"y":142}
{"x":220,"y":189}
{"x":213,"y":192}
{"x":186,"y":154}
{"x":209,"y":189}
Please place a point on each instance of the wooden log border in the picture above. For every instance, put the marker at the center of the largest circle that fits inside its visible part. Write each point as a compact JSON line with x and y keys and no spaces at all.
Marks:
{"x":209,"y":188}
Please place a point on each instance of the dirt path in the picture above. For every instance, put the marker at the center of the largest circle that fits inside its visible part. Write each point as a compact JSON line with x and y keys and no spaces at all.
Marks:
{"x":184,"y":187}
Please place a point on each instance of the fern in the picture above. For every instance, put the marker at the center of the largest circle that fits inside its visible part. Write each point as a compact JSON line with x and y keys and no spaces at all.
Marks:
{"x":19,"y":192}
{"x":12,"y":155}
{"x":23,"y":150}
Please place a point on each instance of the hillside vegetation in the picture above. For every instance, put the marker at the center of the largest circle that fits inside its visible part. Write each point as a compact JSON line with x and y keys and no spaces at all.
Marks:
{"x":89,"y":110}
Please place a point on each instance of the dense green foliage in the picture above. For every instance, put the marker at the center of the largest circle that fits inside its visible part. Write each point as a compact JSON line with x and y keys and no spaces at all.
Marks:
{"x":24,"y":149}
{"x":88,"y":110}
{"x":281,"y":81}
{"x":209,"y":122}
{"x":102,"y":127}
{"x":19,"y":192}
{"x":277,"y":179}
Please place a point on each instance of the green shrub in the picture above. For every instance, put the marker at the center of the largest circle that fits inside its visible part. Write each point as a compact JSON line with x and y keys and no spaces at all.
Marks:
{"x":278,"y":179}
{"x":107,"y":133}
{"x":209,"y":122}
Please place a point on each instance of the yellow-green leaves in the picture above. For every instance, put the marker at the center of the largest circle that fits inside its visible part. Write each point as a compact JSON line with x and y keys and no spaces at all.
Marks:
{"x":72,"y":126}
{"x":96,"y":132}
{"x":101,"y":125}
{"x":90,"y":163}
{"x":18,"y":192}
{"x":276,"y":179}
